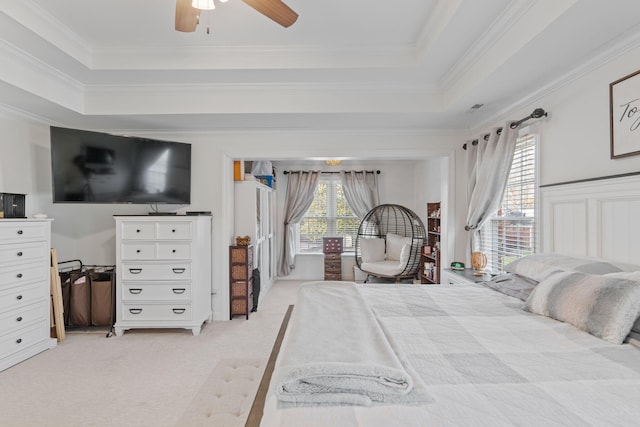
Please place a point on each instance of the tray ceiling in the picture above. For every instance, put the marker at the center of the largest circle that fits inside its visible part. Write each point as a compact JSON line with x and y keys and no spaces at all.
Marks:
{"x":358,"y":64}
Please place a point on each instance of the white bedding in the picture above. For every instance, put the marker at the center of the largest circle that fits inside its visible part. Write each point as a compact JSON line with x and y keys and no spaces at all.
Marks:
{"x":486,"y":362}
{"x":328,"y":363}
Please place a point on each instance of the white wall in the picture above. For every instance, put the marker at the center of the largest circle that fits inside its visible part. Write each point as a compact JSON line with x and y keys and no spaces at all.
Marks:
{"x":397,"y":184}
{"x":575,"y":141}
{"x":86,"y":231}
{"x":574,"y":145}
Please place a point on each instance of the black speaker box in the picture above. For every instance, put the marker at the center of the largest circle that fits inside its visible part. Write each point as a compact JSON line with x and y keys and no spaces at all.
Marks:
{"x":12,"y":205}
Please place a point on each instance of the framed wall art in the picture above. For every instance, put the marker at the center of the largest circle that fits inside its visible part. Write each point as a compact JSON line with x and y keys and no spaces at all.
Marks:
{"x":624,"y":103}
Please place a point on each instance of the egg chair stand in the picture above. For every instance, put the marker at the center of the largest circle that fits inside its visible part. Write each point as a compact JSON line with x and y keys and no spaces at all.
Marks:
{"x":388,"y":243}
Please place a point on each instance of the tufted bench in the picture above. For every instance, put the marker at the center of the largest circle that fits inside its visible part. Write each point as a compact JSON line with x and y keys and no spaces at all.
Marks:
{"x":225,"y":399}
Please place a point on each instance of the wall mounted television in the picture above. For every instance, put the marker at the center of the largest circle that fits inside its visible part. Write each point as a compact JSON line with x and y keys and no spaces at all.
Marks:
{"x":94,"y":167}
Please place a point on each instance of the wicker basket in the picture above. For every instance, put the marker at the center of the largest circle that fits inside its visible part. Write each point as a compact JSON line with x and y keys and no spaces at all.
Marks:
{"x":243,"y":241}
{"x":239,"y":306}
{"x":239,"y":289}
{"x":238,"y":256}
{"x":239,"y":272}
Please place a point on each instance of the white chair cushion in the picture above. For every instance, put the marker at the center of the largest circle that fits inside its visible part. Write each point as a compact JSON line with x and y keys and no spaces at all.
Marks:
{"x":395,"y":244}
{"x":382,"y":268}
{"x":372,"y":249}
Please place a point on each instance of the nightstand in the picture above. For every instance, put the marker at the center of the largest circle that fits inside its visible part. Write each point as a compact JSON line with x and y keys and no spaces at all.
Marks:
{"x":462,"y":277}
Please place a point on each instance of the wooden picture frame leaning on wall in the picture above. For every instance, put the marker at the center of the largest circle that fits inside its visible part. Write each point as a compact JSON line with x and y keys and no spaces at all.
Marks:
{"x":624,"y":106}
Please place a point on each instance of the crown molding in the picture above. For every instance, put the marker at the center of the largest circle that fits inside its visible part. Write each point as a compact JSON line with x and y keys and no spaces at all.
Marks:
{"x":11,"y":110}
{"x":40,"y":22}
{"x":613,"y":50}
{"x":503,"y":23}
{"x":437,"y":22}
{"x":299,"y":98}
{"x":249,"y":57}
{"x":35,"y":76}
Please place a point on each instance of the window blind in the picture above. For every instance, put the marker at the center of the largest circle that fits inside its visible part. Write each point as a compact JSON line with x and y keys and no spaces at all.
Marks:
{"x":328,"y":216}
{"x":511,"y":231}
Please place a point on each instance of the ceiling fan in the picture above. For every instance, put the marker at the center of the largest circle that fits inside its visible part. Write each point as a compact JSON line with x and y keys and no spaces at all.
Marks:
{"x":187,"y":16}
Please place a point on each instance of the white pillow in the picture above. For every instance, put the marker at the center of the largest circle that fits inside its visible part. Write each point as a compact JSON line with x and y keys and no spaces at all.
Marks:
{"x":405,"y":253}
{"x":539,"y":266}
{"x":603,"y":305}
{"x":372,"y":249}
{"x":629,"y":275}
{"x":395,"y":244}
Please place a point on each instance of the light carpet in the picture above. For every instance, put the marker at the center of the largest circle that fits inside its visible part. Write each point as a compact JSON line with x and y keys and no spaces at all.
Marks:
{"x":148,"y":377}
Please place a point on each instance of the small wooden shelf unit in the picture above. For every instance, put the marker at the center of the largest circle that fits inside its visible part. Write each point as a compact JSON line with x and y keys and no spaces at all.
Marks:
{"x":430,"y":253}
{"x":240,"y":280}
{"x":332,"y":249}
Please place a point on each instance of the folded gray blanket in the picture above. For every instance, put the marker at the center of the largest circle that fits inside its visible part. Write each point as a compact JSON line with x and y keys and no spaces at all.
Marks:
{"x":336,"y":352}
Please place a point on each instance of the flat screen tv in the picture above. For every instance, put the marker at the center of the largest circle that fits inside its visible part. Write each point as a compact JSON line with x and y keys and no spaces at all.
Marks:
{"x":94,"y":167}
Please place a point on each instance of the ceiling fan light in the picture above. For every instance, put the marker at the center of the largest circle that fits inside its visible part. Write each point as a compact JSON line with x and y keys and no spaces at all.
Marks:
{"x":203,"y":4}
{"x":332,"y":162}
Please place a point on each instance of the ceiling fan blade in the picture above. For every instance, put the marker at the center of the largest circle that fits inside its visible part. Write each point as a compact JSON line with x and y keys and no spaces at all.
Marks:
{"x":275,"y":10}
{"x":186,"y":16}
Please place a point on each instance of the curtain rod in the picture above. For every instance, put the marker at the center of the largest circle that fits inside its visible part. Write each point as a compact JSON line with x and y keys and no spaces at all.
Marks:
{"x":377,"y":172}
{"x":536,"y":114}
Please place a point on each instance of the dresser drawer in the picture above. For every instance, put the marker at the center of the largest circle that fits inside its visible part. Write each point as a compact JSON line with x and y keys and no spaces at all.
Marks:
{"x":332,"y":269}
{"x":138,"y":250}
{"x":146,"y":272}
{"x":170,"y":250}
{"x":167,"y":312}
{"x":21,"y":339}
{"x":153,"y":251}
{"x":23,"y":252}
{"x":24,"y":231}
{"x":24,"y":316}
{"x":156,"y":292}
{"x":21,"y":296}
{"x":23,"y":274}
{"x":174,"y":230}
{"x":138,"y":230}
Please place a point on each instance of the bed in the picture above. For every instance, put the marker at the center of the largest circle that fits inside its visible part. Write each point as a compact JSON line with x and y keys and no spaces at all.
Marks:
{"x":548,"y":343}
{"x":479,"y":359}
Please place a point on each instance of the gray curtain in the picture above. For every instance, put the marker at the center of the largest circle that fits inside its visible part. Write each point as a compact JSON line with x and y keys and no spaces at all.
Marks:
{"x":301,"y":186}
{"x":361,"y":191}
{"x":488,"y":166}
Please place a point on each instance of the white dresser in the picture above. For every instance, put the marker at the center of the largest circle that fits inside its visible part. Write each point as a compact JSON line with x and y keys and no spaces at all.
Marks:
{"x":25,"y":289}
{"x":163,"y":277}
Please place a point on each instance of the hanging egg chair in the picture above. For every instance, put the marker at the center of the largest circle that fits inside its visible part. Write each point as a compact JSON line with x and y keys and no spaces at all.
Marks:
{"x":389,"y":241}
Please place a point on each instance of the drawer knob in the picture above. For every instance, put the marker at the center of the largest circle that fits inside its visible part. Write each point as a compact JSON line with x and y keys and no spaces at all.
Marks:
{"x":178,"y":270}
{"x":178,"y":290}
{"x":173,"y":251}
{"x":19,"y":340}
{"x":19,"y":297}
{"x":135,"y":270}
{"x":135,"y":291}
{"x":19,"y":319}
{"x":179,"y":310}
{"x":20,"y":232}
{"x":173,"y":230}
{"x":19,"y":254}
{"x":138,"y":230}
{"x":138,"y":251}
{"x":19,"y":275}
{"x":135,"y":310}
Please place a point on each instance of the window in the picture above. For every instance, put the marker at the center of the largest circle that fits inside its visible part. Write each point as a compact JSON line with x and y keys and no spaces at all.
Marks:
{"x":328,"y":216}
{"x":511,"y":232}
